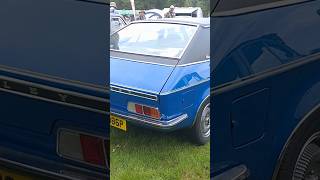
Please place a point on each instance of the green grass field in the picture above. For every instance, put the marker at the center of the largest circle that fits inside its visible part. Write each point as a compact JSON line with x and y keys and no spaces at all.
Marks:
{"x":141,"y":154}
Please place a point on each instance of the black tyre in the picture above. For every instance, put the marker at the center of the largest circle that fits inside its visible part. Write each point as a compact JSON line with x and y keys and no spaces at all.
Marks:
{"x":301,"y":160}
{"x":200,"y":132}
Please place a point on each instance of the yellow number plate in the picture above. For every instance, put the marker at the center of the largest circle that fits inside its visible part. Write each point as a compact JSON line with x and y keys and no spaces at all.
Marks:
{"x":4,"y":174}
{"x":118,"y":122}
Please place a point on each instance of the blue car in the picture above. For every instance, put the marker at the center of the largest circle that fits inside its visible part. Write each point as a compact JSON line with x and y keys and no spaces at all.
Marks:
{"x":160,"y":76}
{"x":53,"y":90}
{"x":265,"y":73}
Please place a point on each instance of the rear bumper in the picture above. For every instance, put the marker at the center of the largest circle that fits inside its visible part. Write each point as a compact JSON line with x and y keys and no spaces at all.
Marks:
{"x":47,"y":169}
{"x":240,"y":172}
{"x":153,"y":123}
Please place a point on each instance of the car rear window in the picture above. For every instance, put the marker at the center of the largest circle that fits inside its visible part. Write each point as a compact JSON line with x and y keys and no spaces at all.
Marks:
{"x":156,"y":39}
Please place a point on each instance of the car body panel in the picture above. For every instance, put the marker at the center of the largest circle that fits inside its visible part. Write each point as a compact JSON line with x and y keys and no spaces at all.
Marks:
{"x":129,"y":73}
{"x":51,"y":78}
{"x":263,"y":55}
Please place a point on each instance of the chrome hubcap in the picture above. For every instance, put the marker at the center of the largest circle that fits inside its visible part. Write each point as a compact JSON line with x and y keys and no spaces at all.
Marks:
{"x":205,"y":121}
{"x":308,"y":163}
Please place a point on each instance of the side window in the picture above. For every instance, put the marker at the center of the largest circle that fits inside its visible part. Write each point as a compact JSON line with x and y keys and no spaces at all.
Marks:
{"x":226,"y":71}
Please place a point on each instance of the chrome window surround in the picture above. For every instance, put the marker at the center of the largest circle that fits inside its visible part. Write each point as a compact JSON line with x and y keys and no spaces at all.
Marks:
{"x":264,"y":74}
{"x":162,"y":64}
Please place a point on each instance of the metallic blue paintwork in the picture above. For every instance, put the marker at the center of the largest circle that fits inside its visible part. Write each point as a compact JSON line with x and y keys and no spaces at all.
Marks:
{"x":277,"y":101}
{"x":180,"y":89}
{"x":32,"y":38}
{"x":138,"y":74}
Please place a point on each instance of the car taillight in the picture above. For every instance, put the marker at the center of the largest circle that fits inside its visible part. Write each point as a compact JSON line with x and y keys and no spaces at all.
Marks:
{"x":144,"y":110}
{"x":93,"y":150}
{"x":83,"y":147}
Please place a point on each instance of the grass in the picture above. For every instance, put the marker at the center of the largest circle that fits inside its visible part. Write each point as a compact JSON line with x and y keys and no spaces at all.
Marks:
{"x":142,"y":154}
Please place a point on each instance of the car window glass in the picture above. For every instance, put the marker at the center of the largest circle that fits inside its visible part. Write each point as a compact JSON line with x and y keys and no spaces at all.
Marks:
{"x":158,"y":39}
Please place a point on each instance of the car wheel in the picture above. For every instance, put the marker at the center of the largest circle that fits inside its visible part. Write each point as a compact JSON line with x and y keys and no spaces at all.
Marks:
{"x":301,"y":160}
{"x":200,"y":131}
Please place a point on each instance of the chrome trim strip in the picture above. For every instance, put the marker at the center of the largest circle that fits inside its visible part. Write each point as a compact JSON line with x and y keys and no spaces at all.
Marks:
{"x":33,"y":90}
{"x":55,"y":79}
{"x":153,"y":122}
{"x":262,"y":75}
{"x":36,"y":170}
{"x":162,"y":93}
{"x":260,"y":7}
{"x":183,"y":51}
{"x":151,"y":55}
{"x":161,"y":64}
{"x":124,"y":90}
{"x":280,"y":157}
{"x":193,"y":63}
{"x":84,"y":133}
{"x":144,"y":62}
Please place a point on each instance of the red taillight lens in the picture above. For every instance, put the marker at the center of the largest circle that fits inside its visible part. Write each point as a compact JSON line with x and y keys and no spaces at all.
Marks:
{"x":147,"y":110}
{"x":138,"y":108}
{"x":144,"y":110}
{"x":82,"y":147}
{"x":93,"y":150}
{"x":152,"y":112}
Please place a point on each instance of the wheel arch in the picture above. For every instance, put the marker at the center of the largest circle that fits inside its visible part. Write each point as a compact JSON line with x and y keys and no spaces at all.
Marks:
{"x":307,"y":120}
{"x":205,"y":97}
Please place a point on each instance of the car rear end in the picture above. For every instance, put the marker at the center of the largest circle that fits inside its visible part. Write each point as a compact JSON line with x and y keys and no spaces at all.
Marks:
{"x":143,"y":106}
{"x":140,"y":68}
{"x":53,"y":91}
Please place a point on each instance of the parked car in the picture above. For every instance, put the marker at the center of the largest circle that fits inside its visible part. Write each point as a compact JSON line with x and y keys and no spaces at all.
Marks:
{"x":117,"y":22}
{"x":187,"y":12}
{"x":154,"y":14}
{"x":160,"y":76}
{"x":53,"y":90}
{"x":266,"y":90}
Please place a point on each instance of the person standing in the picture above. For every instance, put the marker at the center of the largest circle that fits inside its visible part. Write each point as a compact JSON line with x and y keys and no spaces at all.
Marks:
{"x":113,"y":7}
{"x":142,"y":16}
{"x":171,"y":13}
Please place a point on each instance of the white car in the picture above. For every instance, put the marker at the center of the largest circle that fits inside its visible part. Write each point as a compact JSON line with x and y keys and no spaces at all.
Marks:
{"x":183,"y":12}
{"x":153,"y":14}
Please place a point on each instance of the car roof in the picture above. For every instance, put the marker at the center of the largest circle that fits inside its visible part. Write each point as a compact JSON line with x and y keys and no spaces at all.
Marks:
{"x":193,"y":21}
